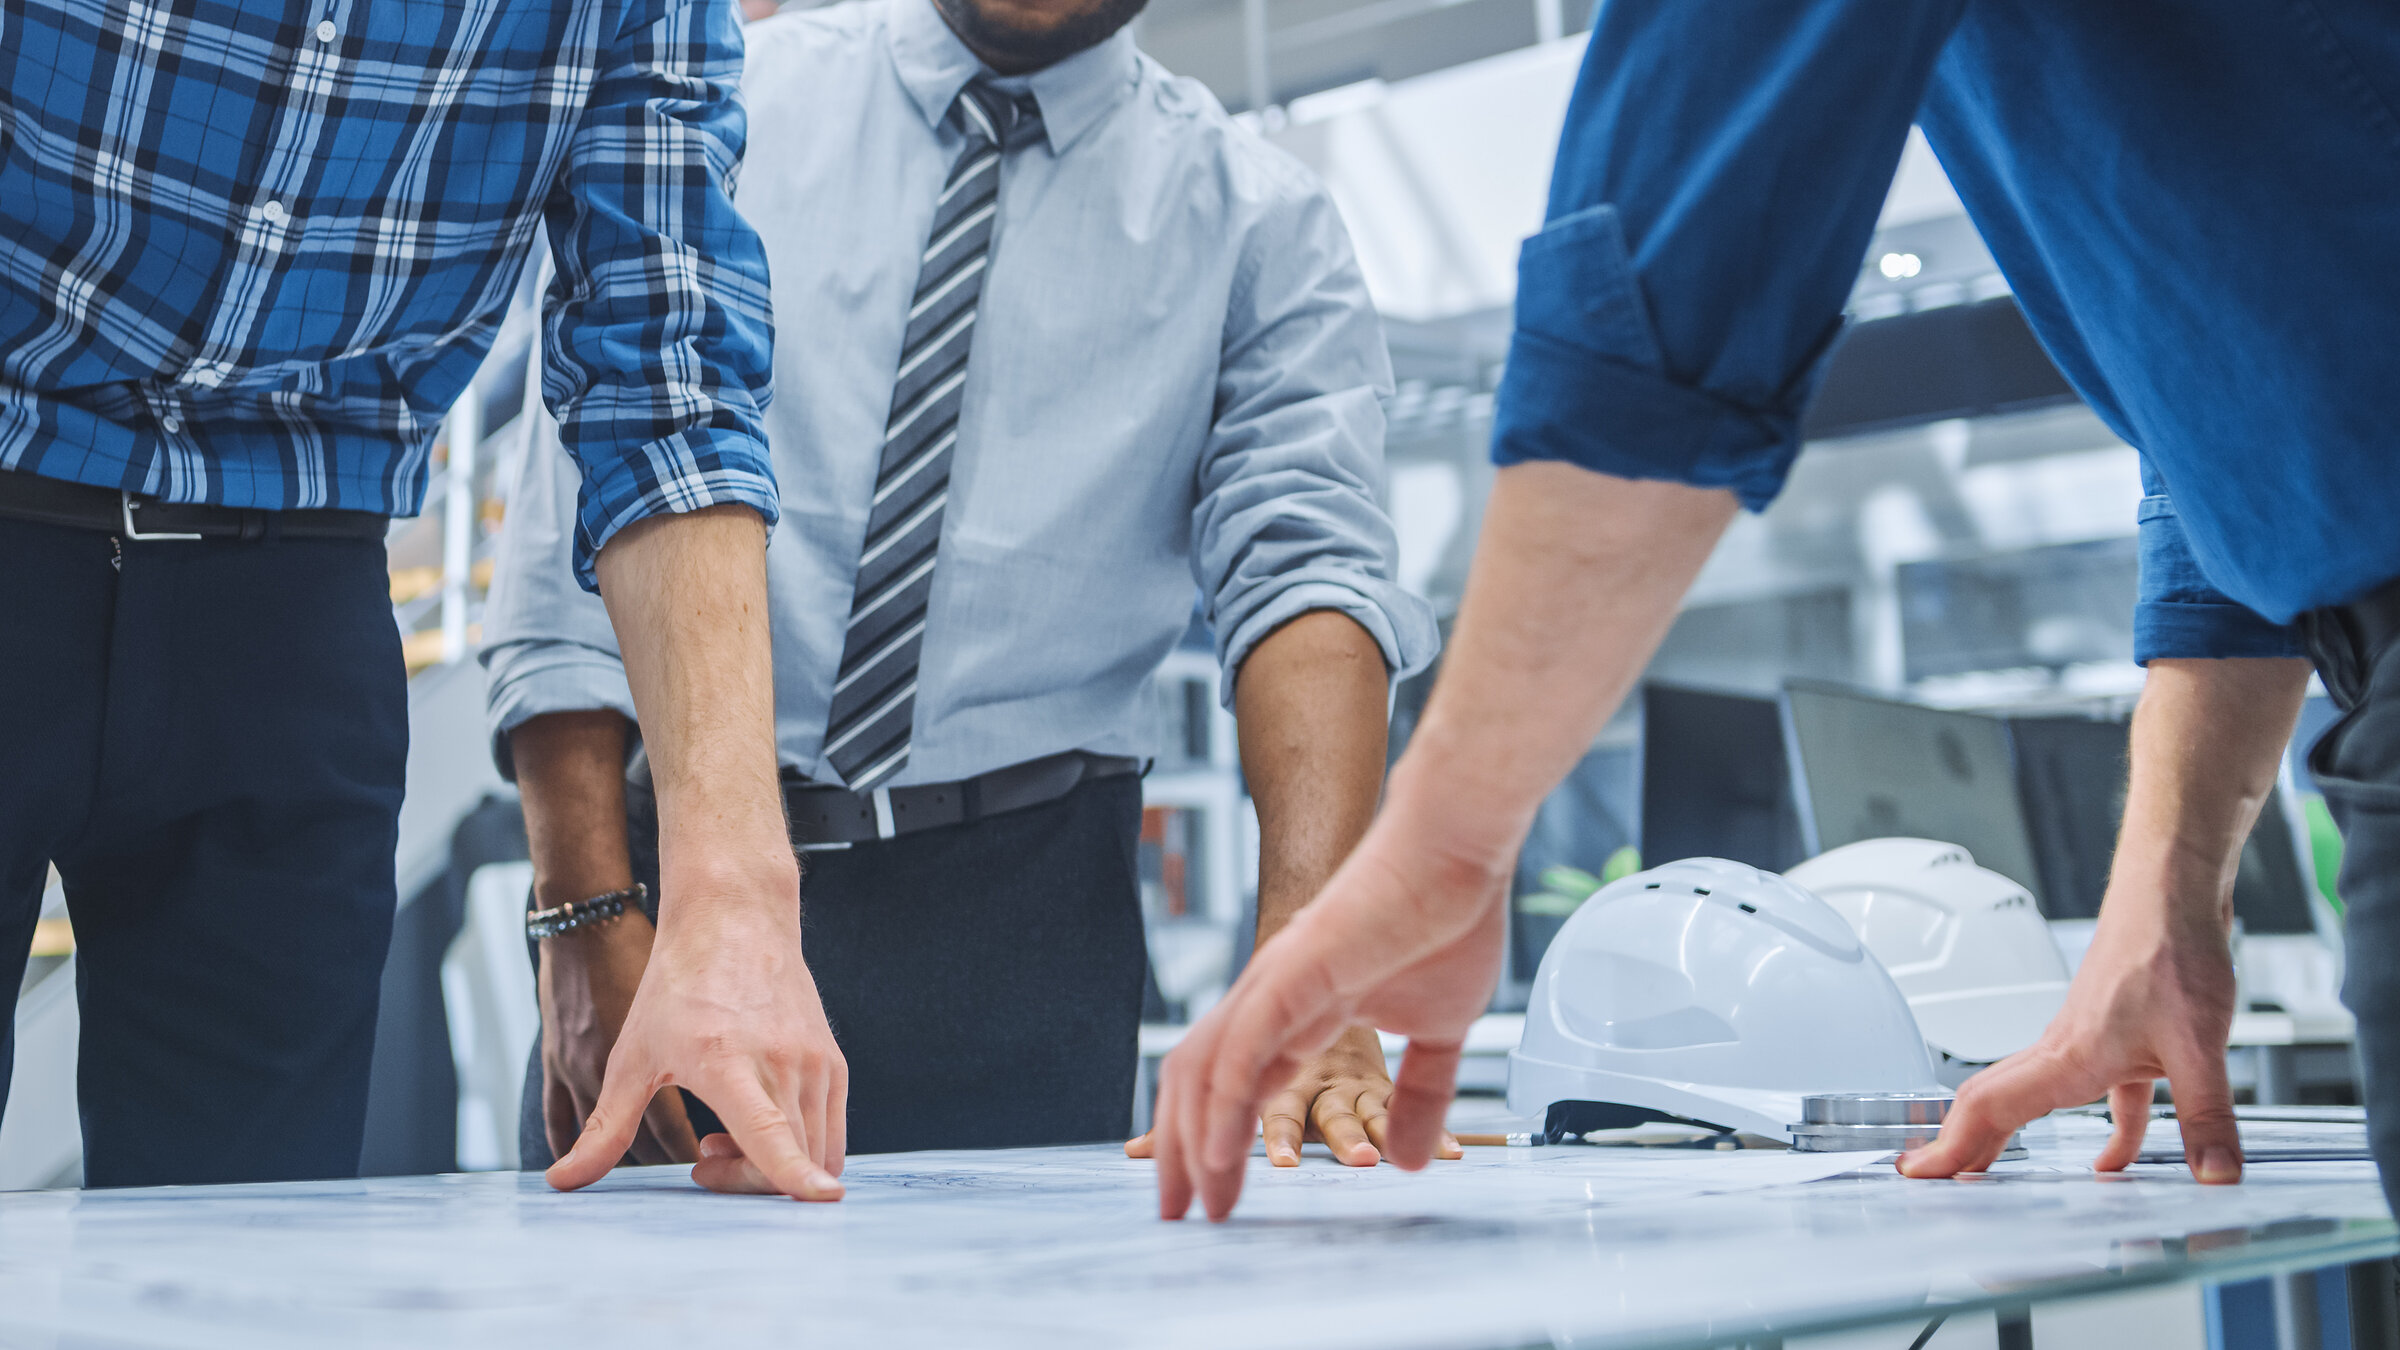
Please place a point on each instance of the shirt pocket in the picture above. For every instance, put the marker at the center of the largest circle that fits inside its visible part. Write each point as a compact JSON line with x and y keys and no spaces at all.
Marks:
{"x":1575,"y":284}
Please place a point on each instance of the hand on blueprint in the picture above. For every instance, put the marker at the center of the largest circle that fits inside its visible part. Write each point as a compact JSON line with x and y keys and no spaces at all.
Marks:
{"x":728,"y":1010}
{"x":587,"y":986}
{"x":2154,"y":998}
{"x":2155,"y":994}
{"x":1404,"y":938}
{"x":1339,"y":1099}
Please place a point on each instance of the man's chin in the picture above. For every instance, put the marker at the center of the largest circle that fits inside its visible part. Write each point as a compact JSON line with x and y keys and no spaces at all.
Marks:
{"x":994,"y":30}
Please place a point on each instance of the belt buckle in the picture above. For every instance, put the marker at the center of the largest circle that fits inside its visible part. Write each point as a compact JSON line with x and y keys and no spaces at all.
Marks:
{"x":133,"y":531}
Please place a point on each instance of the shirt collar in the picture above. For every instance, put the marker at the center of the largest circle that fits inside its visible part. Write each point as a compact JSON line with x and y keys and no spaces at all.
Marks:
{"x":1073,"y":94}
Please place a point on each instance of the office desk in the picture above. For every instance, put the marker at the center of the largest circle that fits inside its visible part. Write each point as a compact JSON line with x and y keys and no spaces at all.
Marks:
{"x":2274,"y":1047}
{"x":1572,"y":1246}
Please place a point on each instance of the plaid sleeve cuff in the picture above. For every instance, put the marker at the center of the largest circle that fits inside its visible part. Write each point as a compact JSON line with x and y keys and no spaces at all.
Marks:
{"x":683,"y":473}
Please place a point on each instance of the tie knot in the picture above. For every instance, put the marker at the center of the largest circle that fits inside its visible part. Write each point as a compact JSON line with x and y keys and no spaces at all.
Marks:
{"x":1005,"y":120}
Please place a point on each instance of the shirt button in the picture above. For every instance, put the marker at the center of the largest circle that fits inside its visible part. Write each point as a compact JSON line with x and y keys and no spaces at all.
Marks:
{"x":325,"y":30}
{"x":273,"y":211}
{"x":171,"y":423}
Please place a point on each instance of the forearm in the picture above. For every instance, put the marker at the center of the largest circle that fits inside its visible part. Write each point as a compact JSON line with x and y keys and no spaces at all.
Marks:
{"x":2207,"y":740}
{"x":1310,"y":701}
{"x":571,"y":768}
{"x":1576,"y":579}
{"x":688,"y":596}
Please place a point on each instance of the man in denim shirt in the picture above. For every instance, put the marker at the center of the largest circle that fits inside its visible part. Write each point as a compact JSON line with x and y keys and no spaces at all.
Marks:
{"x":2194,"y":203}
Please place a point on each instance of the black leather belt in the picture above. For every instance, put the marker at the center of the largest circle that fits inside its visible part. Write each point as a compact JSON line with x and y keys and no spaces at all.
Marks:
{"x":834,"y":817}
{"x":80,"y":506}
{"x":825,"y":817}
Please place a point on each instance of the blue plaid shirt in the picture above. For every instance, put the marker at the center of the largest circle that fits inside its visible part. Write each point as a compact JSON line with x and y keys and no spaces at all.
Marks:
{"x":252,"y":250}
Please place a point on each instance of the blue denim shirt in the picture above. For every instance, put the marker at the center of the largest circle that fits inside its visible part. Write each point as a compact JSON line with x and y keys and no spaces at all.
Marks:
{"x":2196,"y":202}
{"x":2176,"y":612}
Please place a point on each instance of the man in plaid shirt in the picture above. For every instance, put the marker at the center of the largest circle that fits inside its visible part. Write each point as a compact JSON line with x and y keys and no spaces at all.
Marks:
{"x":250,"y":252}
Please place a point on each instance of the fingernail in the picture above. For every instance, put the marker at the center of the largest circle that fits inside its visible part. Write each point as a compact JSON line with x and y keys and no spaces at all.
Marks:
{"x":1284,"y":1157}
{"x":2219,"y":1167}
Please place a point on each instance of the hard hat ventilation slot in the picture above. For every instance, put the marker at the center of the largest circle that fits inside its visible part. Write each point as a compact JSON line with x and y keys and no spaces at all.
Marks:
{"x":1747,"y":908}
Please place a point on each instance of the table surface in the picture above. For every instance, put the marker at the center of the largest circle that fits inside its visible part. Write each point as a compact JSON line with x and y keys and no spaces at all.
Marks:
{"x":1060,"y":1247}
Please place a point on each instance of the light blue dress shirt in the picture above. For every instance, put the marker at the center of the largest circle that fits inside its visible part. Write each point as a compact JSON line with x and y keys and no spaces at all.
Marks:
{"x":1176,"y":380}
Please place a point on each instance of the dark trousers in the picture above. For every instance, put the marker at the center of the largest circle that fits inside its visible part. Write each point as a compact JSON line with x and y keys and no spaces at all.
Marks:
{"x":984,"y":980}
{"x":208,"y":740}
{"x":2357,"y":765}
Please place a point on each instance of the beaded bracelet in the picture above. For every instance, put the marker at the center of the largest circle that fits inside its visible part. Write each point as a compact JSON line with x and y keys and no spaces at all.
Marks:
{"x":574,"y":914}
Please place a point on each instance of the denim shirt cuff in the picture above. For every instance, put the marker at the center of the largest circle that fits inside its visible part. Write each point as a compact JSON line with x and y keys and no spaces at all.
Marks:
{"x":2170,"y":629}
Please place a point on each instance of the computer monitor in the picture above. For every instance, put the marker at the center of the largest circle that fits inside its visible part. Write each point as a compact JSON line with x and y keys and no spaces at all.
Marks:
{"x":1872,"y":768}
{"x":1715,"y":783}
{"x":2071,"y":779}
{"x":2071,"y":774}
{"x":2270,"y":894}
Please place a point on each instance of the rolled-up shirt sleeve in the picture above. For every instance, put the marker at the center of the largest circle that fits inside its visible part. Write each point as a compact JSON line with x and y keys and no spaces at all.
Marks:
{"x":1288,"y":518}
{"x":658,"y":325}
{"x":2177,"y":613}
{"x":548,"y":643}
{"x":1720,"y":174}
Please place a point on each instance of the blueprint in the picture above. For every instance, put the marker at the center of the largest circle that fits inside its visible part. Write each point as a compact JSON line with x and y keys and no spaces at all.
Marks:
{"x":1062,"y":1247}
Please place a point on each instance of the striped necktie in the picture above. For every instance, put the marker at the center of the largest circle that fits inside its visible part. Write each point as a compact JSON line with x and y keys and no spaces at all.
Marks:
{"x":874,"y":693}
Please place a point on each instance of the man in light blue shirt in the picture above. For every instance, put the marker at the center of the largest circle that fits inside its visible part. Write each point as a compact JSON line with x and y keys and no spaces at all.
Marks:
{"x":1059,"y":341}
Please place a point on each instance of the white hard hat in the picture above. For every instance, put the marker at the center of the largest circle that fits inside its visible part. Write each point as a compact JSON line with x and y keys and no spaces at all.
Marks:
{"x":1710,"y":991}
{"x":1964,"y":943}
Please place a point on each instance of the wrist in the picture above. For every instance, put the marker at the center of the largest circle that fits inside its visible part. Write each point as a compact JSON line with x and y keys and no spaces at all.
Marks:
{"x":1436,"y":803}
{"x":549,"y":892}
{"x":2163,"y":910}
{"x":715,"y":893}
{"x":630,"y":929}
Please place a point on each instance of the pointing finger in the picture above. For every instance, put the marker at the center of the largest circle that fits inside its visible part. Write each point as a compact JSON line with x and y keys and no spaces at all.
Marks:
{"x":1284,"y":1128}
{"x":770,"y":1140}
{"x":837,"y":1117}
{"x":1174,"y":1182}
{"x":2129,"y":1108}
{"x":1344,"y":1132}
{"x":1992,"y":1106}
{"x":2212,"y":1144}
{"x":1420,"y":1100}
{"x":723,"y":1169}
{"x":624,"y":1090}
